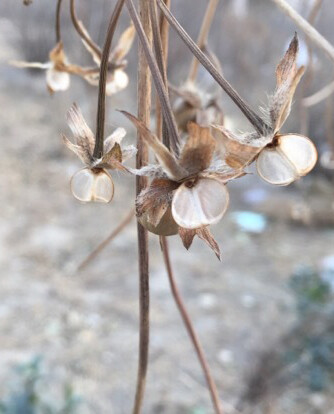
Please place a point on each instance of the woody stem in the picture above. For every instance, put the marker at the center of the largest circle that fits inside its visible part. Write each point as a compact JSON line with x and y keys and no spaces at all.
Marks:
{"x":101,"y":106}
{"x":202,"y":37}
{"x":144,"y":110}
{"x":190,"y":329}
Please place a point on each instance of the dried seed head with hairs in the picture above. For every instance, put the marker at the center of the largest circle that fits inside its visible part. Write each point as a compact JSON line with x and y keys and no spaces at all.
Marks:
{"x":117,"y":78}
{"x":94,"y":183}
{"x":188,"y":191}
{"x":280,"y":159}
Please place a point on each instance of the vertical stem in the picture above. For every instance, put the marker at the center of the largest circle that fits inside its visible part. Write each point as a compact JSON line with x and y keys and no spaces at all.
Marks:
{"x":190,"y":329}
{"x":202,"y":37}
{"x":58,"y":31}
{"x":101,"y":106}
{"x":144,"y":110}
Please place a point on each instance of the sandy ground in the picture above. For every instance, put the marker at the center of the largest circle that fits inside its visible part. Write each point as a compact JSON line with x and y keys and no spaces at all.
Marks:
{"x":84,"y":324}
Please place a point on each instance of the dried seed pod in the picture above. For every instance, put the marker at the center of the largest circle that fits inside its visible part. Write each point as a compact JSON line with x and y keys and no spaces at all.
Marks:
{"x":200,"y":202}
{"x":166,"y":226}
{"x":291,"y":157}
{"x":57,"y":80}
{"x":92,"y":185}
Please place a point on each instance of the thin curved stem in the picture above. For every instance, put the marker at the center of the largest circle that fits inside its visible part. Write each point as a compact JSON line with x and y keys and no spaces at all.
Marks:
{"x":101,"y":106}
{"x":127,"y":219}
{"x":203,"y":36}
{"x":81,"y":32}
{"x":190,"y":329}
{"x":258,"y":123}
{"x":306,"y":27}
{"x":144,"y":112}
{"x":58,"y":30}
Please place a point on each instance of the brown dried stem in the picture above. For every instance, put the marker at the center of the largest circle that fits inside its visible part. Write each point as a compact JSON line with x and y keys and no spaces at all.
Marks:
{"x":203,"y":36}
{"x":190,"y":329}
{"x":101,"y":106}
{"x":127,"y":219}
{"x":258,"y":123}
{"x":58,"y":30}
{"x":144,"y":110}
{"x":81,"y":32}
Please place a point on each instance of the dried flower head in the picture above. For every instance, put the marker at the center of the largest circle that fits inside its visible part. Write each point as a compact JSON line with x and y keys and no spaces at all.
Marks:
{"x":117,"y":78}
{"x":194,"y":104}
{"x":57,"y":69}
{"x":280,"y":159}
{"x":94,"y":183}
{"x":188,"y":192}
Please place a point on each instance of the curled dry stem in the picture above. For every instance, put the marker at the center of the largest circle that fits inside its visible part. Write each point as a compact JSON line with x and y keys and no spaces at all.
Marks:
{"x":190,"y":329}
{"x":58,"y":29}
{"x":101,"y":107}
{"x":78,"y":27}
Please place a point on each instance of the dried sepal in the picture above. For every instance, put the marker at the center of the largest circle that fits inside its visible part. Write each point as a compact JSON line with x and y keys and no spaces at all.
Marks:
{"x":92,"y":185}
{"x":199,"y":202}
{"x":197,"y":153}
{"x":204,"y":233}
{"x":124,"y":44}
{"x":287,"y":78}
{"x":187,"y":236}
{"x":291,"y":157}
{"x":170,"y":164}
{"x":116,"y":137}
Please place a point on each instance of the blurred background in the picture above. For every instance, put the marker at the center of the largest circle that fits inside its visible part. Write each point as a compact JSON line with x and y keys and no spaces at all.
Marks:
{"x":68,"y":338}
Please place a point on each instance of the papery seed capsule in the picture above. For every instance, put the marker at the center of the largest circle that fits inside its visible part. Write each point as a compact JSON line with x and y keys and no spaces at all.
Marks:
{"x":92,"y":185}
{"x":291,"y":158}
{"x":57,"y":81}
{"x":119,"y":81}
{"x":166,"y":227}
{"x":200,"y":203}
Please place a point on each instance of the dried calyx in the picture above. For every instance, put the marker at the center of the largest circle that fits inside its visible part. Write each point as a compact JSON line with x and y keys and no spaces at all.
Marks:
{"x":94,"y":183}
{"x":117,"y":78}
{"x":280,"y":158}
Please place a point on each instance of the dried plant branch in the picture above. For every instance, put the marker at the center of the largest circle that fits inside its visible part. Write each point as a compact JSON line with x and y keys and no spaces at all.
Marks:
{"x":127,"y":219}
{"x":190,"y":329}
{"x":253,"y":118}
{"x":319,"y":96}
{"x":306,"y":27}
{"x":101,"y":107}
{"x":157,"y":78}
{"x":58,"y":29}
{"x":144,"y":110}
{"x":78,"y":27}
{"x":203,"y":36}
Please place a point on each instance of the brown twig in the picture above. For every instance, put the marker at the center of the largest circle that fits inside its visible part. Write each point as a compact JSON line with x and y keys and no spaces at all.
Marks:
{"x":58,"y":30}
{"x":101,"y":107}
{"x":190,"y":329}
{"x":127,"y":219}
{"x":81,"y":32}
{"x":258,"y":123}
{"x":202,"y":37}
{"x":144,"y":110}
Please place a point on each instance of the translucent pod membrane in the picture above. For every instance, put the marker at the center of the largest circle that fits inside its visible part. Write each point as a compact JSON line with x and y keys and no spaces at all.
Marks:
{"x":92,"y":185}
{"x":200,"y":204}
{"x":293,"y":157}
{"x":56,"y":80}
{"x":119,"y":82}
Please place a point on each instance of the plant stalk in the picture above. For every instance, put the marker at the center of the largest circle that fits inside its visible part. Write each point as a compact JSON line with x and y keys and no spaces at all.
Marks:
{"x":58,"y":29}
{"x":101,"y":106}
{"x":190,"y":329}
{"x":203,"y":36}
{"x":144,"y":111}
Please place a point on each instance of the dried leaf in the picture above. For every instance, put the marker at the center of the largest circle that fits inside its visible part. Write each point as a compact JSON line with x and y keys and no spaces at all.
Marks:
{"x":287,"y":68}
{"x":169,"y":163}
{"x":196,"y":155}
{"x":205,"y":234}
{"x":78,"y":150}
